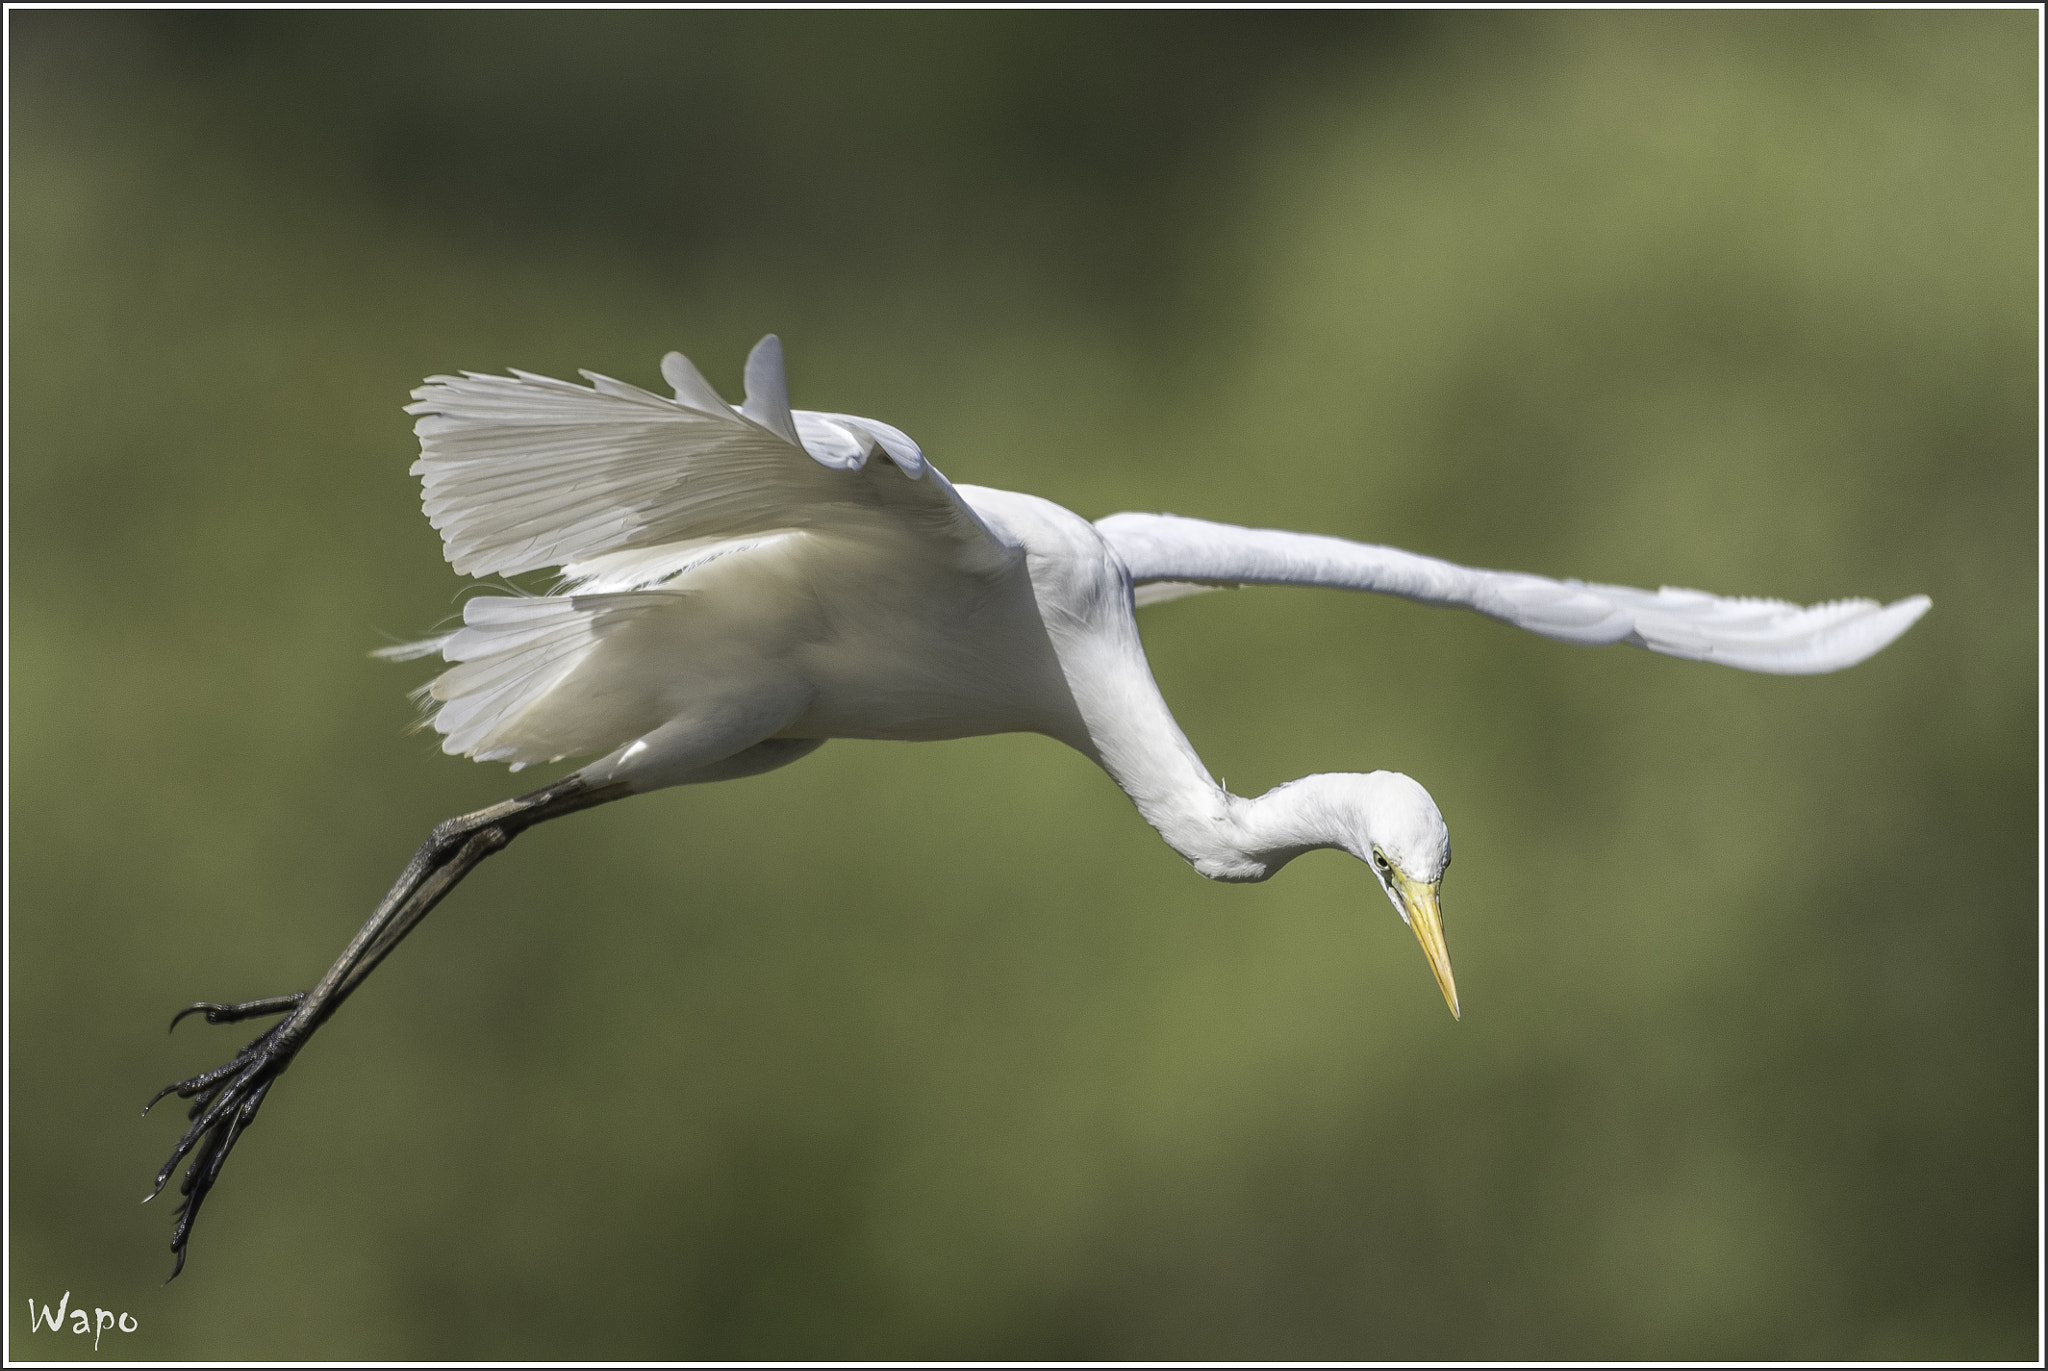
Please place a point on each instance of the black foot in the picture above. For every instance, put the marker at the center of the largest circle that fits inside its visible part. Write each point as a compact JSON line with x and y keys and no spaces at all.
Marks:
{"x":224,"y":1103}
{"x":225,"y":1099}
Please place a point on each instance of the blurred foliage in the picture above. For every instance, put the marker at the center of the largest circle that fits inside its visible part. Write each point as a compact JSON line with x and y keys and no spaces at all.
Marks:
{"x":936,"y":1051}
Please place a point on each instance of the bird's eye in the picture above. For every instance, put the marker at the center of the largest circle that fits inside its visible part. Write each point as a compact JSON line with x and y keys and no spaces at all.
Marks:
{"x":1379,"y":859}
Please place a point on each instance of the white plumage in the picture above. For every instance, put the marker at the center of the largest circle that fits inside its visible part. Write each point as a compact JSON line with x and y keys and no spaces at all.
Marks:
{"x":844,"y":574}
{"x":742,"y":583}
{"x":1190,"y":555}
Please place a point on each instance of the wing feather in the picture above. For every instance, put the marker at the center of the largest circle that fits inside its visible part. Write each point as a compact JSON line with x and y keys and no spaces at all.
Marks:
{"x":1755,"y":635}
{"x":524,"y":471}
{"x":508,"y":654}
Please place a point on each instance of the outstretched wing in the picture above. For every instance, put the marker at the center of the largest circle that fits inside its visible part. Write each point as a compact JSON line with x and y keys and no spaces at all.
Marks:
{"x":524,"y":471}
{"x":1171,"y":556}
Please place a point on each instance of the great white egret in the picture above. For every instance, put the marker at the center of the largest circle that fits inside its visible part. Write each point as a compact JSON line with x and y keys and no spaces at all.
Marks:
{"x":742,"y":583}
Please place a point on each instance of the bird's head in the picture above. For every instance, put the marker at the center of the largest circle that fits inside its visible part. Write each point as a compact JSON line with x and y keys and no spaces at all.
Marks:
{"x":1382,"y":818}
{"x":1397,"y":830}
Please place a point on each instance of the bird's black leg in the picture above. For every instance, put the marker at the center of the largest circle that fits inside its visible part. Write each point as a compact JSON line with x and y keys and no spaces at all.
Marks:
{"x":225,"y":1099}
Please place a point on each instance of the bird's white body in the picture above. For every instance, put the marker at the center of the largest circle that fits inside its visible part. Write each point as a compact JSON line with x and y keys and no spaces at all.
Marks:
{"x":850,"y":640}
{"x":742,"y":583}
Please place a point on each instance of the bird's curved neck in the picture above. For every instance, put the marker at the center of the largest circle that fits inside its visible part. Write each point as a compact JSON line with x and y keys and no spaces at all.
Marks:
{"x":1083,"y":593}
{"x":1133,"y":736}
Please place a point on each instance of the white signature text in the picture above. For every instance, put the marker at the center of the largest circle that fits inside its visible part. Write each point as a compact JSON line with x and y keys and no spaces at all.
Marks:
{"x":100,"y":1322}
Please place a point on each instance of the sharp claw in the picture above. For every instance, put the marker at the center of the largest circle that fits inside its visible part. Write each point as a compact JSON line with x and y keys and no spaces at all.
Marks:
{"x":206,"y":1006}
{"x":200,"y":1082}
{"x":235,"y":1013}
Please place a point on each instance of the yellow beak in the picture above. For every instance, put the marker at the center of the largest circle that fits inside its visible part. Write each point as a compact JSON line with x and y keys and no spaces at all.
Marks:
{"x":1419,"y":900}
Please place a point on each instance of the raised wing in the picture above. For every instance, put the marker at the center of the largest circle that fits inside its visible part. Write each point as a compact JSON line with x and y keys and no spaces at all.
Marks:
{"x":1171,"y":556}
{"x":524,"y":471}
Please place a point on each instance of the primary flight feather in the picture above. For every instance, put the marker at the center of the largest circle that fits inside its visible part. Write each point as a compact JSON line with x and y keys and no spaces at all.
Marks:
{"x":742,"y":583}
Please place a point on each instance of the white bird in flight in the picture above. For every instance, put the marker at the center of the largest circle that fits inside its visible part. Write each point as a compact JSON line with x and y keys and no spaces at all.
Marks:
{"x":741,"y":583}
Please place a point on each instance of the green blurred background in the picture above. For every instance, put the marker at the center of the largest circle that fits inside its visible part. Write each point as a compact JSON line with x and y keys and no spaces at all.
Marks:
{"x":937,"y":1051}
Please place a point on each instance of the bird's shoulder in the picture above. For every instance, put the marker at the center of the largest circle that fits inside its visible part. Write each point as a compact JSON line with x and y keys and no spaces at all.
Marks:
{"x":1042,"y":530}
{"x":1072,"y":567}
